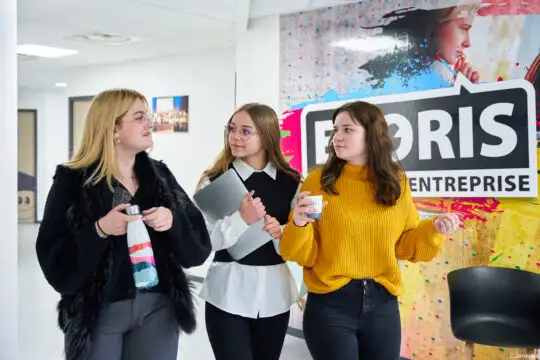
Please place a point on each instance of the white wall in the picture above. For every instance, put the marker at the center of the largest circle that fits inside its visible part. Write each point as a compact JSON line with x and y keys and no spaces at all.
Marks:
{"x":208,"y":79}
{"x":257,"y":63}
{"x":8,"y":185}
{"x":53,"y":136}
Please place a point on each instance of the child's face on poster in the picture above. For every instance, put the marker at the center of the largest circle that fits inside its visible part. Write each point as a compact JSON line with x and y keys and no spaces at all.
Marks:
{"x":453,"y":38}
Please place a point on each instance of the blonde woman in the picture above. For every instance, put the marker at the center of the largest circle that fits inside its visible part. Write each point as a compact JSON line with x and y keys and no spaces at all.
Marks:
{"x":82,"y":248}
{"x":248,"y":300}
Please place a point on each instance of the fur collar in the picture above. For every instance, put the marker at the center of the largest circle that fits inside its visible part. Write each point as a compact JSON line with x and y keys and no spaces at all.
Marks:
{"x":77,"y":313}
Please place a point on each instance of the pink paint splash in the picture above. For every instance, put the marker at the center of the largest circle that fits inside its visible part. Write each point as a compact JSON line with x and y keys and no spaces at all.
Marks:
{"x":469,"y":208}
{"x":291,"y":144}
{"x":506,"y":7}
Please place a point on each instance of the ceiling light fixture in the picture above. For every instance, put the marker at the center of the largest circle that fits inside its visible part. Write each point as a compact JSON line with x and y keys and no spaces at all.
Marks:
{"x":104,"y":38}
{"x":61,"y":84}
{"x":44,"y":51}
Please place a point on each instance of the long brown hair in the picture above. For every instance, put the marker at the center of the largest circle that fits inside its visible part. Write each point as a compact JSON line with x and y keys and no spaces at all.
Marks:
{"x":385,"y":173}
{"x":267,"y":125}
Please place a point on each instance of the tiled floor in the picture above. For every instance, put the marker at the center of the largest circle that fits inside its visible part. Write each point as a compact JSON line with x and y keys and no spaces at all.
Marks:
{"x":40,"y":339}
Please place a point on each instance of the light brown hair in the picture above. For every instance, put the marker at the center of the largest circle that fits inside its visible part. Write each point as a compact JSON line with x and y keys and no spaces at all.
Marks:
{"x":385,"y":173}
{"x":267,"y":126}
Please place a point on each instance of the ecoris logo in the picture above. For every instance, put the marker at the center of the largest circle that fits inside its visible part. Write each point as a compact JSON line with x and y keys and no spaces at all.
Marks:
{"x":467,"y":140}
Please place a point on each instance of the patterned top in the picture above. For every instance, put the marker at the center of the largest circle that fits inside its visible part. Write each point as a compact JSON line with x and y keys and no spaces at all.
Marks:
{"x":120,"y":195}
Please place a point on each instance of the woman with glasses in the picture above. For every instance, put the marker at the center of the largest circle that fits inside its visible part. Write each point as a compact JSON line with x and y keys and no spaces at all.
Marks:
{"x":248,"y":300}
{"x":83,"y":250}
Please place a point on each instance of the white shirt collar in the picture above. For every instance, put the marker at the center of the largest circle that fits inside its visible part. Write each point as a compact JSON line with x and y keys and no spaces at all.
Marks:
{"x":245,"y":171}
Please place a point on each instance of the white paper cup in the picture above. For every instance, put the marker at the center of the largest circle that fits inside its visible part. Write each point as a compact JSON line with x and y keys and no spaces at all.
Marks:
{"x":317,"y":204}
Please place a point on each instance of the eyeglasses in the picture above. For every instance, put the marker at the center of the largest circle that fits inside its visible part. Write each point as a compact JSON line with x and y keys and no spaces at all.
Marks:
{"x":140,"y":118}
{"x":244,"y":133}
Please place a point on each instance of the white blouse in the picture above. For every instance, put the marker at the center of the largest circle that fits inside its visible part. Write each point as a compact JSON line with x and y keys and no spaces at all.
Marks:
{"x":245,"y":290}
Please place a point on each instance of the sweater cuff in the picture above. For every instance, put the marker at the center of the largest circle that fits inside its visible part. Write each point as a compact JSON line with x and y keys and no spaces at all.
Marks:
{"x":297,"y":232}
{"x":431,"y":236}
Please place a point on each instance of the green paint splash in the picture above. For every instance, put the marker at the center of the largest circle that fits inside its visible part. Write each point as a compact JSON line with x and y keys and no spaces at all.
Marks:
{"x":497,"y":257}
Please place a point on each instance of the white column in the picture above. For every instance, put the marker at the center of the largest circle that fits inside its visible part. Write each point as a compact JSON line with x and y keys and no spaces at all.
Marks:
{"x":8,"y":180}
{"x":257,"y":63}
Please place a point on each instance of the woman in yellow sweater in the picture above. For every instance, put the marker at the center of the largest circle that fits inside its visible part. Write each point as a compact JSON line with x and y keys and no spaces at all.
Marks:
{"x":350,"y":255}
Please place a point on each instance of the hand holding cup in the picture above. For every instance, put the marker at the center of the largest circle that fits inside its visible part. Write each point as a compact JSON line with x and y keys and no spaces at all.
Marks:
{"x":308,"y":208}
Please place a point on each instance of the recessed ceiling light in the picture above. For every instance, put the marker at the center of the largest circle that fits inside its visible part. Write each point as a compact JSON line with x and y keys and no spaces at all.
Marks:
{"x":61,"y":84}
{"x":44,"y":51}
{"x":104,"y":38}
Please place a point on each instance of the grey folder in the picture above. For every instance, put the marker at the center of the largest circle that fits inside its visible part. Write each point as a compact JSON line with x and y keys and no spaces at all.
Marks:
{"x":222,"y":198}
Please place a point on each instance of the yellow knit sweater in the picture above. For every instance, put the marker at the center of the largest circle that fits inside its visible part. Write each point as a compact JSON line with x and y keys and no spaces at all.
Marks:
{"x":356,"y":238}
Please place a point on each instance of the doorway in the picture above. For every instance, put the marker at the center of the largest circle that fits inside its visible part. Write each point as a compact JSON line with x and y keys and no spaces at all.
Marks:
{"x":27,"y":166}
{"x":78,"y":108}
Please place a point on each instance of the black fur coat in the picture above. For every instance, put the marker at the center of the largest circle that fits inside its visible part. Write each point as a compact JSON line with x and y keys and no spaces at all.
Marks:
{"x":79,"y":265}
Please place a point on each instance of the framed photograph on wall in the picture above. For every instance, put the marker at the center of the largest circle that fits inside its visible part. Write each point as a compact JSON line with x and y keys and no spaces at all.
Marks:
{"x":170,"y":113}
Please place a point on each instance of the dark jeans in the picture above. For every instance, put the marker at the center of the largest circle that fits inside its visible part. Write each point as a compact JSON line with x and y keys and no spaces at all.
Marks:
{"x":234,"y":337}
{"x":357,"y":322}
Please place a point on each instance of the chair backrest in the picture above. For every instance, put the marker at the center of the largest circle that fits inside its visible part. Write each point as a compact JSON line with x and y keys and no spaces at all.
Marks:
{"x":493,"y":292}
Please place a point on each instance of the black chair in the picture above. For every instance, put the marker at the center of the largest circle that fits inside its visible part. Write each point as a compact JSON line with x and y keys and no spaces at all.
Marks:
{"x":495,"y":306}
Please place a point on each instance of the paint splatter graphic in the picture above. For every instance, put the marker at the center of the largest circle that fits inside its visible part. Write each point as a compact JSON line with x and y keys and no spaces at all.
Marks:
{"x":477,"y":209}
{"x":505,"y":7}
{"x":348,"y":52}
{"x":291,"y":144}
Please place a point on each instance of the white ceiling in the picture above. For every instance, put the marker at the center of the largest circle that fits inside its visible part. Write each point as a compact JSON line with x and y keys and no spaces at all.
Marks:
{"x":164,"y":27}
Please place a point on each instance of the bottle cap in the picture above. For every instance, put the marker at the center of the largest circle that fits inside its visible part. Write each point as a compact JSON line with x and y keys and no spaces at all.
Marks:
{"x":133,"y":210}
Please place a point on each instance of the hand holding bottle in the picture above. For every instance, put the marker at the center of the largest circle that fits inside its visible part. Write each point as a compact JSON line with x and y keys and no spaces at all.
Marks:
{"x":115,"y":222}
{"x":158,"y":218}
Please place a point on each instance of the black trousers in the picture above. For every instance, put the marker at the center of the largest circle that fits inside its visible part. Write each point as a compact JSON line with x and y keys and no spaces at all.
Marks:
{"x":357,"y":322}
{"x":234,"y":337}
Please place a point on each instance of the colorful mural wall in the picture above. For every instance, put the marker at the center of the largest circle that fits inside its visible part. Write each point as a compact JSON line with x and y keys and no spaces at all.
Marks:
{"x":384,"y":47}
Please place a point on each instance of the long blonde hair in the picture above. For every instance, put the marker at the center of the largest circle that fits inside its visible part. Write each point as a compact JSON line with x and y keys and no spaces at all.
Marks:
{"x":97,"y":143}
{"x":267,"y":125}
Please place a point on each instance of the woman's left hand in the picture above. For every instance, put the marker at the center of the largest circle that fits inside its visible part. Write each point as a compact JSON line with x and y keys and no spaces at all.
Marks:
{"x":158,"y":218}
{"x":447,"y":223}
{"x":272,"y":227}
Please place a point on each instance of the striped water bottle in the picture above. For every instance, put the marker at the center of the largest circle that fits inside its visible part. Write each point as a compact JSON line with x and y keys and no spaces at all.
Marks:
{"x":140,"y":252}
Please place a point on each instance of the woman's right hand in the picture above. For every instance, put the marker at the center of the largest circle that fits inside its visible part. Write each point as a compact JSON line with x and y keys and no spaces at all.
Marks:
{"x":251,"y":210}
{"x":115,"y":222}
{"x":466,"y":69}
{"x":304,"y":206}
